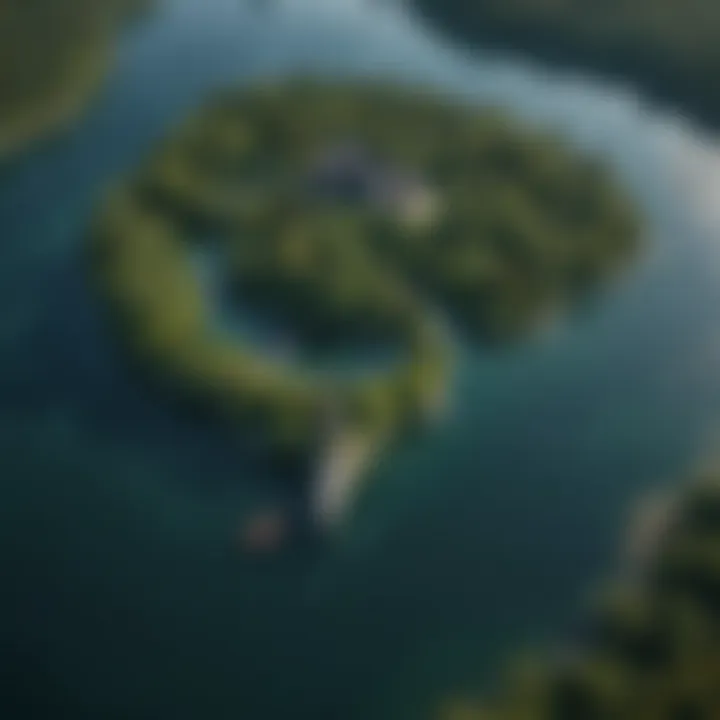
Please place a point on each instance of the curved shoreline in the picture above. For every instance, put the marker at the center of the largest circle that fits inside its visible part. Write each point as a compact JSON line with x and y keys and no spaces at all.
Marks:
{"x":55,"y":112}
{"x":660,"y":79}
{"x":155,"y":482}
{"x":655,"y":626}
{"x":23,"y":129}
{"x":550,"y":222}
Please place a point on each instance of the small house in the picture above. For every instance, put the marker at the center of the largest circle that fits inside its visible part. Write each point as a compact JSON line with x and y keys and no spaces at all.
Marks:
{"x":349,"y":173}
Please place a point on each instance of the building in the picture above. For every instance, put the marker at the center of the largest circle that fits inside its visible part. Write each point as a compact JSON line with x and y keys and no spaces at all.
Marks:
{"x":349,"y":173}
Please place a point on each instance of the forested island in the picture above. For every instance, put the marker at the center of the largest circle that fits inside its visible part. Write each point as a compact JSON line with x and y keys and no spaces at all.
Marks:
{"x":670,"y":47}
{"x":653,"y":647}
{"x":53,"y":56}
{"x":353,"y":216}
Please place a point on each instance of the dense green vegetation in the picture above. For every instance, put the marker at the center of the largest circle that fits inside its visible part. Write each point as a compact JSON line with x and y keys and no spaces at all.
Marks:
{"x":53,"y":54}
{"x":671,"y":46}
{"x":654,"y":649}
{"x":437,"y":211}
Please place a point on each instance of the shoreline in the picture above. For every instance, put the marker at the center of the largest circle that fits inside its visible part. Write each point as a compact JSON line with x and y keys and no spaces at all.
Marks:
{"x":55,"y":112}
{"x":653,"y":77}
{"x":24,"y":129}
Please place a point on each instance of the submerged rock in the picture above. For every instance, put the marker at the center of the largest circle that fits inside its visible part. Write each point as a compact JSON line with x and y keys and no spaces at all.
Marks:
{"x":264,"y":532}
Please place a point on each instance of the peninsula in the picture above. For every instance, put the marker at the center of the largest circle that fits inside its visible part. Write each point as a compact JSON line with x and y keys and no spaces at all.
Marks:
{"x":652,"y":650}
{"x":53,"y":57}
{"x":356,"y":218}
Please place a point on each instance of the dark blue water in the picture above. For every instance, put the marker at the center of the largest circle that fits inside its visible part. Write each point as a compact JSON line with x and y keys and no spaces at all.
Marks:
{"x":122,"y":592}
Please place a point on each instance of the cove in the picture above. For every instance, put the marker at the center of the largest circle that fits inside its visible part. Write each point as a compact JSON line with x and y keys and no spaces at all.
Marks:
{"x":117,"y":515}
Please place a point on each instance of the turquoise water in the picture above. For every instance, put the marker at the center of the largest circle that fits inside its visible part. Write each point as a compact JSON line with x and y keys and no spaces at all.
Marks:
{"x":122,"y":589}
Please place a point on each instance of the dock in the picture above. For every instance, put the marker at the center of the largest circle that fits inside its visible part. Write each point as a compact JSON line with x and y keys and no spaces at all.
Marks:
{"x":342,"y":464}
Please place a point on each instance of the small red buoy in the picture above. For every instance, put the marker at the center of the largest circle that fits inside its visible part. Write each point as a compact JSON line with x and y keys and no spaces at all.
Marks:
{"x":264,"y":532}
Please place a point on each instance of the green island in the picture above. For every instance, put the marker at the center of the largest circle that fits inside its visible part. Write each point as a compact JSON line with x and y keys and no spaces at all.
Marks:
{"x":653,"y":646}
{"x":670,"y":47}
{"x":354,"y":216}
{"x":53,"y":56}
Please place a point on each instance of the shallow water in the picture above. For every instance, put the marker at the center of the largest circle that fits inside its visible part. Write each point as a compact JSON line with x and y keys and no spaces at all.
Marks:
{"x":117,"y":516}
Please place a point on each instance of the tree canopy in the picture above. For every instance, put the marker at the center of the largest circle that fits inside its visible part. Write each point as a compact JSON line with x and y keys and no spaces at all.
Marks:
{"x":52,"y":56}
{"x":653,"y":650}
{"x":354,"y":215}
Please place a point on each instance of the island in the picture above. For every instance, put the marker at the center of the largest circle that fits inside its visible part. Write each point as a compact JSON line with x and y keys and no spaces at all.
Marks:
{"x":365,"y":220}
{"x":53,"y":56}
{"x":652,"y":649}
{"x":669,"y":47}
